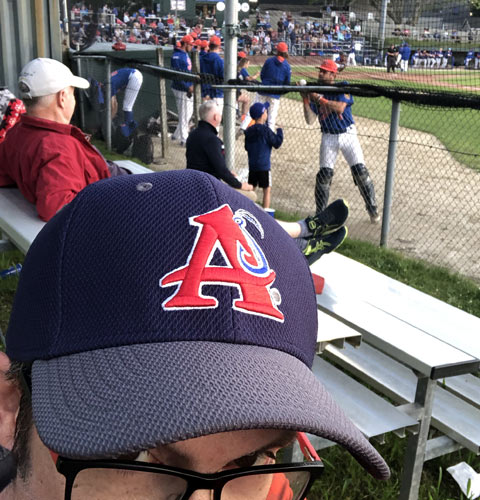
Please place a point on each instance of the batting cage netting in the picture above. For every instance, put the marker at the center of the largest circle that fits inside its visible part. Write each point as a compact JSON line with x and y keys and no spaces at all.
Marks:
{"x":412,"y":93}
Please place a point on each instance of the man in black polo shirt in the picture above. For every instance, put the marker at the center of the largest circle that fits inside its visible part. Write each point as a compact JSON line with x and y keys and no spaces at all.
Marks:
{"x":205,"y":151}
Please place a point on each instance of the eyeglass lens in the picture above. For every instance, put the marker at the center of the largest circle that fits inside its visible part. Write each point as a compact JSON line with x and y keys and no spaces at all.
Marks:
{"x":119,"y":484}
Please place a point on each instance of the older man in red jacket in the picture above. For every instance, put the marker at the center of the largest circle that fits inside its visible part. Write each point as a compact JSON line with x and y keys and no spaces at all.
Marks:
{"x":48,"y":159}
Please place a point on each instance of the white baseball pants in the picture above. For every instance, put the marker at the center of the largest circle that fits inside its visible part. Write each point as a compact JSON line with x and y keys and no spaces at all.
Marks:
{"x":347,"y":143}
{"x":132,"y":89}
{"x":185,"y":111}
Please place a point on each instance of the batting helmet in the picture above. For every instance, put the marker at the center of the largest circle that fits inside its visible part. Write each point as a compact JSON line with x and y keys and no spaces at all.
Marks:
{"x":329,"y":65}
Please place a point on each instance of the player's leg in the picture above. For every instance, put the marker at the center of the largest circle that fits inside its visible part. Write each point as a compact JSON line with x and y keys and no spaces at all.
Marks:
{"x":266,"y":197}
{"x":265,"y":182}
{"x":352,"y":151}
{"x":179,"y":96}
{"x":134,"y":84}
{"x":219,"y":102}
{"x":328,"y":156}
{"x":188,"y":116}
{"x":273,"y":112}
{"x":114,"y":106}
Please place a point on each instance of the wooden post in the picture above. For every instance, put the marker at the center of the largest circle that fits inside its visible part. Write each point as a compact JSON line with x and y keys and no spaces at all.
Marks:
{"x":197,"y":88}
{"x":163,"y":106}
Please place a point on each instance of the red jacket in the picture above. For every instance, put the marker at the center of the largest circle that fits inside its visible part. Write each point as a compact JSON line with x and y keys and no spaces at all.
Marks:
{"x":49,"y":162}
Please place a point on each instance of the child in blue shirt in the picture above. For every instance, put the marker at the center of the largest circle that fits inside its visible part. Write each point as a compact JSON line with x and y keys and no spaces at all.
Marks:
{"x":259,"y":140}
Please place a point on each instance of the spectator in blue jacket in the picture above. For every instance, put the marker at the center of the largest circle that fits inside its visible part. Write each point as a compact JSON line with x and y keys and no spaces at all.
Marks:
{"x":275,"y":71}
{"x":259,"y":140}
{"x":211,"y":63}
{"x":182,"y":89}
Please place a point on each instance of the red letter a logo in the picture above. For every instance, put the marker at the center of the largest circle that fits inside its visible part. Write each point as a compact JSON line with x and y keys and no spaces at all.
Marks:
{"x":246,"y":267}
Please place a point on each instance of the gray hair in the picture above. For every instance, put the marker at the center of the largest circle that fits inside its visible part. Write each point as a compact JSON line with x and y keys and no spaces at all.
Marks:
{"x":207,"y":109}
{"x":43,"y":101}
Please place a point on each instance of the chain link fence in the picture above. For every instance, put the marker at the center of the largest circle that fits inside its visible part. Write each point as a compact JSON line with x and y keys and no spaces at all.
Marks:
{"x":435,"y":214}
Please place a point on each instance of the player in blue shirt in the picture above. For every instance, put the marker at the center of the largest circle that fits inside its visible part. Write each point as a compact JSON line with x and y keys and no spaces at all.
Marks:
{"x":405,"y":52}
{"x":183,"y":89}
{"x":448,"y":56}
{"x":212,"y":64}
{"x":130,"y":80}
{"x":275,"y":71}
{"x":339,"y":133}
{"x":470,"y":56}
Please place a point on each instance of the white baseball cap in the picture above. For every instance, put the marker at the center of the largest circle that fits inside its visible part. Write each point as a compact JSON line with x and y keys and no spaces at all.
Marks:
{"x":44,"y":76}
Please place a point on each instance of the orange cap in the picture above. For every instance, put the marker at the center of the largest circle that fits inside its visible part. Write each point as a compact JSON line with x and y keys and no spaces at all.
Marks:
{"x":198,"y":43}
{"x":187,"y":39}
{"x":193,"y":34}
{"x":241,"y":55}
{"x":204,"y":44}
{"x":282,"y":47}
{"x":214,"y":40}
{"x":329,"y":65}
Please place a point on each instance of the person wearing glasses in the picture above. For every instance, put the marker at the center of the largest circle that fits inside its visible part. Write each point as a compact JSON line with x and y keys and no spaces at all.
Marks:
{"x":160,"y":347}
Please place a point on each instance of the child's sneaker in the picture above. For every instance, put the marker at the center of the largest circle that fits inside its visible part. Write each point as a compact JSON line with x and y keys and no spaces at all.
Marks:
{"x":318,"y":246}
{"x":328,"y":221}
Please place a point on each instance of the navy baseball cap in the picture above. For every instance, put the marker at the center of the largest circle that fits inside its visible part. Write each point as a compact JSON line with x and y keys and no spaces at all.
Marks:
{"x":162,"y":307}
{"x":257,"y":109}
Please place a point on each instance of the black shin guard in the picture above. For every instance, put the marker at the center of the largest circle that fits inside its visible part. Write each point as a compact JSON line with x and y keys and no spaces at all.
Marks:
{"x":362,"y":180}
{"x":323,"y":182}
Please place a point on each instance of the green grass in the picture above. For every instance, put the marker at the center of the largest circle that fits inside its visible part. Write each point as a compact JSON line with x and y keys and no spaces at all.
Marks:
{"x":345,"y":479}
{"x":455,"y":128}
{"x":112,"y":155}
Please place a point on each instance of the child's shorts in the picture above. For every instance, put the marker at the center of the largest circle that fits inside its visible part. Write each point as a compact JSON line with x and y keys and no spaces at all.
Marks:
{"x":262,"y":179}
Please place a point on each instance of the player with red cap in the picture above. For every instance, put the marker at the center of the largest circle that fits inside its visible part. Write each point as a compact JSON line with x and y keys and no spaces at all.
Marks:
{"x":275,"y":71}
{"x":339,"y":133}
{"x":183,"y":90}
{"x":212,"y":65}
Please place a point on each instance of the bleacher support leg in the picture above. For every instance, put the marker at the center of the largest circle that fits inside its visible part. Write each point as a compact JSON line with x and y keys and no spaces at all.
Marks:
{"x":417,"y":444}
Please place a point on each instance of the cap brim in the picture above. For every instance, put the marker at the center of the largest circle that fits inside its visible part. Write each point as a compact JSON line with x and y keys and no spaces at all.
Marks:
{"x":80,"y":82}
{"x":112,"y":401}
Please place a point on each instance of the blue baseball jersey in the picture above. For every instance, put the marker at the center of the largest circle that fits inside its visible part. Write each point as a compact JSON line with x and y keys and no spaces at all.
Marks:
{"x":119,"y":79}
{"x":181,"y":62}
{"x":243,"y":74}
{"x":259,"y":140}
{"x":275,"y":72}
{"x":405,"y":51}
{"x":333,"y":123}
{"x":470,"y":54}
{"x":212,"y":64}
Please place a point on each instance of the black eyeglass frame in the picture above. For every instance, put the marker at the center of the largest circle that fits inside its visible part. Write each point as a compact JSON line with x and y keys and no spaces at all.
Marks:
{"x":70,"y":468}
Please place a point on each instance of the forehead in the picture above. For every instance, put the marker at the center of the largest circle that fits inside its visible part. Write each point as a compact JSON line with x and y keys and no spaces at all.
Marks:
{"x":217,"y":450}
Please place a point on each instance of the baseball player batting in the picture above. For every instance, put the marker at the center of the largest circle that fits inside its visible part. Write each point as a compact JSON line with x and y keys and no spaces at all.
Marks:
{"x":338,"y":134}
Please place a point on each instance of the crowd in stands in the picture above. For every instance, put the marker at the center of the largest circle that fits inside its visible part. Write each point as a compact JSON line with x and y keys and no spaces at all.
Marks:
{"x":258,"y":37}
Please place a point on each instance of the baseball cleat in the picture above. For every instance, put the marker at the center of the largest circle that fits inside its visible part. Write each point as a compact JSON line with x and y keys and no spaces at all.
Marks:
{"x":318,"y":246}
{"x":375,"y":218}
{"x":329,"y":220}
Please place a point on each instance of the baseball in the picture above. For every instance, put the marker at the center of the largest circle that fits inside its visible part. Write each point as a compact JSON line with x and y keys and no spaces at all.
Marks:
{"x":302,"y":82}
